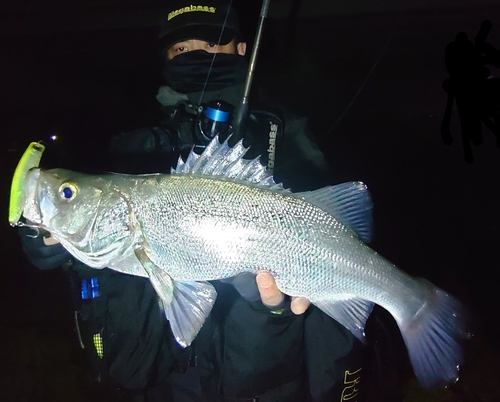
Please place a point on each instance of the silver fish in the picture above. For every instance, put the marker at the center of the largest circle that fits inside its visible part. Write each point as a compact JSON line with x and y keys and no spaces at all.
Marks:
{"x":218,"y":215}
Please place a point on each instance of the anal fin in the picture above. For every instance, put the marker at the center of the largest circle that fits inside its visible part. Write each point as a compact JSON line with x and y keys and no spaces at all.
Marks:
{"x":351,"y":313}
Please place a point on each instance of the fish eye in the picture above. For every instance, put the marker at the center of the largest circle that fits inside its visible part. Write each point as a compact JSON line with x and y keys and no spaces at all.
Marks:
{"x":68,"y":191}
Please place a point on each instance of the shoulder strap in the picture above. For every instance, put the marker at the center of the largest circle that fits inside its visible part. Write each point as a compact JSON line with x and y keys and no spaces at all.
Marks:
{"x":265,"y":132}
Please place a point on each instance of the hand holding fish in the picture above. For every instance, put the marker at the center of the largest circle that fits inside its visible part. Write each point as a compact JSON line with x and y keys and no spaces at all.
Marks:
{"x":271,"y":296}
{"x":49,"y":241}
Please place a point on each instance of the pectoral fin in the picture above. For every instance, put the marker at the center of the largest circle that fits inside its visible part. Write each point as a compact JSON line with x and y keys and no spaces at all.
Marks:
{"x":186,"y":304}
{"x":161,"y":281}
{"x":351,"y":313}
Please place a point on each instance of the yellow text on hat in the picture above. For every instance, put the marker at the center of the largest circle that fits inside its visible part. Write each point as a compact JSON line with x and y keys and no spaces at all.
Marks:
{"x":205,"y":9}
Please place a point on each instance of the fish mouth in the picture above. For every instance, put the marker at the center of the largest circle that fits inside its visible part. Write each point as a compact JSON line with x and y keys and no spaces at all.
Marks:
{"x":24,"y":181}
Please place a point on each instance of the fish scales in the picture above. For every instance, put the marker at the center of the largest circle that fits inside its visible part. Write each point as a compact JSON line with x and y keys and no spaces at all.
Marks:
{"x":248,"y":232}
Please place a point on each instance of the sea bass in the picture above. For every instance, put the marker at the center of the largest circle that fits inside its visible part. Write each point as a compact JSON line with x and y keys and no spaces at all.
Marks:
{"x":218,"y":215}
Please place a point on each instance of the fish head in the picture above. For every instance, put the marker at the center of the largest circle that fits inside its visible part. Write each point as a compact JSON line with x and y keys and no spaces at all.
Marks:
{"x":58,"y":200}
{"x":86,"y":213}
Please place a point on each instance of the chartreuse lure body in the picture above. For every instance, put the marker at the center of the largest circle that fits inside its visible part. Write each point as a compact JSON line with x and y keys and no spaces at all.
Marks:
{"x":30,"y":159}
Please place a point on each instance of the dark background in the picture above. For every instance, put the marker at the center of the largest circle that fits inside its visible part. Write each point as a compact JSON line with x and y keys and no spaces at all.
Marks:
{"x":368,"y":75}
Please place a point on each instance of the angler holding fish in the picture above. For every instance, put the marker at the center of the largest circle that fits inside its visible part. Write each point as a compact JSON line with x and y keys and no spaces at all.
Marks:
{"x":190,"y":238}
{"x":252,"y":343}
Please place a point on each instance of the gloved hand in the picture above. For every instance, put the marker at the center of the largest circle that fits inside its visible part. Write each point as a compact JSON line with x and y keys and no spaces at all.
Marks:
{"x":41,"y":249}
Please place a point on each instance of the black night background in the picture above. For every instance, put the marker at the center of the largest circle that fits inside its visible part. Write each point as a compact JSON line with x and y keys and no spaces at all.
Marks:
{"x":369,"y":76}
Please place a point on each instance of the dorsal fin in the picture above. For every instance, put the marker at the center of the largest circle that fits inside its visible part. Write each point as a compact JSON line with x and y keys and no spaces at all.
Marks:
{"x":224,"y":161}
{"x":350,"y":203}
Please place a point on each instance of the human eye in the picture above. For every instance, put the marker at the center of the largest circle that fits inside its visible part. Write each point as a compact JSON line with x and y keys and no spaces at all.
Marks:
{"x":178,"y":48}
{"x":212,"y":47}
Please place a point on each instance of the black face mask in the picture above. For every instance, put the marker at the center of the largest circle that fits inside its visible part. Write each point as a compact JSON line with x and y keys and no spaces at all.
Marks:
{"x":188,"y":72}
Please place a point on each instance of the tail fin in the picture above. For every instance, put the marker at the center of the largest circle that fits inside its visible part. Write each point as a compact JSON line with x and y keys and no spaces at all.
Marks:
{"x":434,"y":338}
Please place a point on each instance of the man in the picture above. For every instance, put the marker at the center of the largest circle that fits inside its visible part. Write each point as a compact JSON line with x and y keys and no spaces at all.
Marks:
{"x":257,"y":344}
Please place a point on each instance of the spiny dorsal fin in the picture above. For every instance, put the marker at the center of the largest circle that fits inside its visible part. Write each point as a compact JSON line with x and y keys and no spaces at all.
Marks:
{"x":224,"y":161}
{"x":350,"y":203}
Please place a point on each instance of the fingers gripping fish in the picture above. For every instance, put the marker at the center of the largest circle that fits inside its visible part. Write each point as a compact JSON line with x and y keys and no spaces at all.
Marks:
{"x":218,"y":215}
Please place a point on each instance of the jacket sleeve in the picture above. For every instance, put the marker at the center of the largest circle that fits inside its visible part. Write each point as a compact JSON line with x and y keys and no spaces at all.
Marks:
{"x":247,"y":351}
{"x":145,"y":150}
{"x":333,"y":358}
{"x":38,"y":253}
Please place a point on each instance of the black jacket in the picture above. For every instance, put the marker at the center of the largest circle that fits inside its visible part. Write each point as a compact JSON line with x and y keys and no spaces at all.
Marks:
{"x":243,"y":351}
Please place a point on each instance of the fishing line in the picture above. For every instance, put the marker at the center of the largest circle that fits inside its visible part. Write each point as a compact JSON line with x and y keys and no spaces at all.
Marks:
{"x":215,"y":54}
{"x":398,"y":18}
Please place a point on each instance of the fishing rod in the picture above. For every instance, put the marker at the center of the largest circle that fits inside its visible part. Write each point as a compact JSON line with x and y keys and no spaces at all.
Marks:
{"x":215,"y":117}
{"x":241,"y":114}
